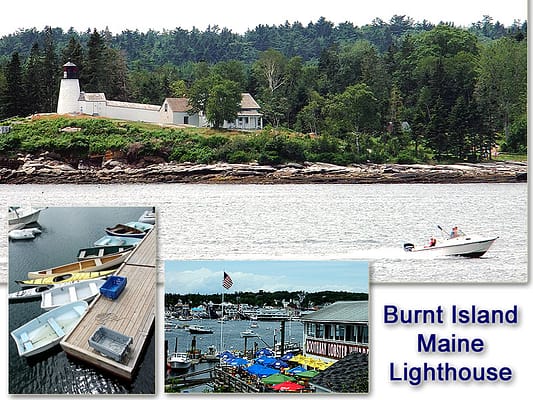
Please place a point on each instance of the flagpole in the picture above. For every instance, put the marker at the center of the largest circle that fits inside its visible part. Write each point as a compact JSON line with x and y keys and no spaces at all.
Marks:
{"x":222,"y":324}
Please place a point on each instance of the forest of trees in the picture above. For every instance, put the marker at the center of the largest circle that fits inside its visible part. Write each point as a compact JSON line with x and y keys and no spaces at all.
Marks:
{"x":406,"y":90}
{"x":263,"y":298}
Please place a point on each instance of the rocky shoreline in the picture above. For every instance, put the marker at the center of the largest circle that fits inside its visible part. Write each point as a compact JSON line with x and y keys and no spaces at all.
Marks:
{"x":42,"y":170}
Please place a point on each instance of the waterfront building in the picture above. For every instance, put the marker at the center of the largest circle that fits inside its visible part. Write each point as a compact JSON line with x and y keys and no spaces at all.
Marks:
{"x":335,"y":331}
{"x":173,"y":111}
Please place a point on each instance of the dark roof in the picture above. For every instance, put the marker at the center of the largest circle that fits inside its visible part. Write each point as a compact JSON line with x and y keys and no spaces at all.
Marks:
{"x":178,"y":104}
{"x":341,"y":311}
{"x":348,"y":375}
{"x":248,"y":102}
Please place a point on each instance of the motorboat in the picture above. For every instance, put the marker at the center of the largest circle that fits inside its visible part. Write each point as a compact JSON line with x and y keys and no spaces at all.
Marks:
{"x":456,"y":244}
{"x":211,"y":354}
{"x":89,"y":265}
{"x":59,"y":279}
{"x":23,"y":234}
{"x":47,"y":330}
{"x":179,"y":360}
{"x":248,"y":333}
{"x":23,"y":215}
{"x":197,"y":329}
{"x":65,"y":294}
{"x":148,"y":217}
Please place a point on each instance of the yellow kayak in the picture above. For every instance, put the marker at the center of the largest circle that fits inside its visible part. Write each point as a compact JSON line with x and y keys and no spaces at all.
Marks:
{"x":90,"y":265}
{"x":71,"y":277}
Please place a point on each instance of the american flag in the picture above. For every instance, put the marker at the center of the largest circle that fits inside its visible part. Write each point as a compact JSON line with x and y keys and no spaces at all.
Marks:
{"x":227,"y":282}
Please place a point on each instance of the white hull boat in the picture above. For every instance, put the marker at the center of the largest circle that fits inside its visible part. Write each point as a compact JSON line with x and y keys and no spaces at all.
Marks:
{"x":464,"y":245}
{"x":148,"y":217}
{"x":248,"y":333}
{"x":23,"y":234}
{"x":197,"y":329}
{"x":70,"y":293}
{"x":47,"y":330}
{"x":23,"y":215}
{"x":179,"y":361}
{"x":116,"y":241}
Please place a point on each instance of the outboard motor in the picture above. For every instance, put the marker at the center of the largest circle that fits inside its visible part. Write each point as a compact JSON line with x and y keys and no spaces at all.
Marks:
{"x":408,"y":246}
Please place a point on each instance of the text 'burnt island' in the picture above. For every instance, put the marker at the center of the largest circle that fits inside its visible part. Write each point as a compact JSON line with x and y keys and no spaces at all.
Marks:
{"x":471,"y":315}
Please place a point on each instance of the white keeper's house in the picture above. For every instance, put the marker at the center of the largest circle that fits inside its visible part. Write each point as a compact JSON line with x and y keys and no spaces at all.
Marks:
{"x":173,"y":111}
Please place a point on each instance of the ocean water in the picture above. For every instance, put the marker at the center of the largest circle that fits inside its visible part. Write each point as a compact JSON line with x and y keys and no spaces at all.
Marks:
{"x":64,"y":231}
{"x":361,"y":222}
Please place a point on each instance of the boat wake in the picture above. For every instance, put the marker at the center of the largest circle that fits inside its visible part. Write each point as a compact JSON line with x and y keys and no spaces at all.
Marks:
{"x":381,"y":253}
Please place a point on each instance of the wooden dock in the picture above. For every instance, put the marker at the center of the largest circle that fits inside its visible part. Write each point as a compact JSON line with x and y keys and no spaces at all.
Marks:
{"x":132,"y":313}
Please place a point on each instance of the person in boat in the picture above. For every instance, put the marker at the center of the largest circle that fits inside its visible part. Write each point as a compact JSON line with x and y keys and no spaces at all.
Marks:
{"x":432,"y":242}
{"x":454,"y":233}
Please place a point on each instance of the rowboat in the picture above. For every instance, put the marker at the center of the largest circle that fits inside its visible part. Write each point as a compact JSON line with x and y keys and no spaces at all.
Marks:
{"x":72,"y":277}
{"x":456,"y":244}
{"x":130,"y":229}
{"x":116,"y":241}
{"x":23,"y":215}
{"x":89,"y":265}
{"x":69,"y":293}
{"x":101,"y":251}
{"x":47,"y":330}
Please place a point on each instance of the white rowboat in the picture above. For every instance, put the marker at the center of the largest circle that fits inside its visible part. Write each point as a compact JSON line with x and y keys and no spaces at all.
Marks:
{"x":70,"y":293}
{"x":47,"y":330}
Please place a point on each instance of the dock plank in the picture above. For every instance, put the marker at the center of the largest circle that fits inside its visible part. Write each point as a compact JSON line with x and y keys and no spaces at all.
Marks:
{"x":132,"y":313}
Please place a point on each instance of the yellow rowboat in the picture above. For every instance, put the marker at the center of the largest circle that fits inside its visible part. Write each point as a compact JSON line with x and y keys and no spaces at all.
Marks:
{"x":89,"y":265}
{"x":72,"y":277}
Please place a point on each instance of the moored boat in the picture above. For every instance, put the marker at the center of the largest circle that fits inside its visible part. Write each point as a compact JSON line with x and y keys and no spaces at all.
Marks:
{"x":457,"y":244}
{"x":23,"y":234}
{"x":47,"y":330}
{"x":28,"y":294}
{"x":130,"y":229}
{"x":23,"y":215}
{"x":64,"y":278}
{"x":101,"y":251}
{"x":148,"y":217}
{"x":197,"y":329}
{"x":179,"y":360}
{"x":89,"y":265}
{"x":249,"y":333}
{"x":116,"y":241}
{"x":69,"y":293}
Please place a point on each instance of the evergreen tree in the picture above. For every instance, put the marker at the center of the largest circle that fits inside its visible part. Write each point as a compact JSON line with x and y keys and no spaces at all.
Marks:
{"x":33,"y":81}
{"x":93,"y":78}
{"x":51,"y":73}
{"x":13,"y":97}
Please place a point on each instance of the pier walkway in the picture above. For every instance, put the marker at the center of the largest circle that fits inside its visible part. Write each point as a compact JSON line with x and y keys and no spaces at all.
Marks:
{"x":132,"y":313}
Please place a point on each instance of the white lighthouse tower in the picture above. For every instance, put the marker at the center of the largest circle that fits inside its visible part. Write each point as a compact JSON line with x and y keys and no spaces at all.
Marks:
{"x":69,"y":91}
